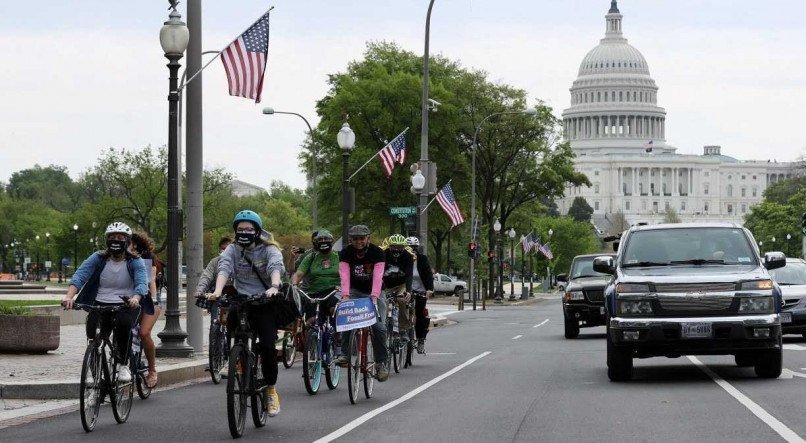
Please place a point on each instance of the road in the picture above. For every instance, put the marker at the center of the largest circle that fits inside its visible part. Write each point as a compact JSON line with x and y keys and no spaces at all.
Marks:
{"x":506,"y":374}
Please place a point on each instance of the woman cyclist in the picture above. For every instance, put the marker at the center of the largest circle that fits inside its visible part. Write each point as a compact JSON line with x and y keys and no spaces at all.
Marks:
{"x":397,"y":275}
{"x":103,"y":278}
{"x":255,"y":266}
{"x":322,"y":270}
{"x":423,"y":286}
{"x":142,"y":245}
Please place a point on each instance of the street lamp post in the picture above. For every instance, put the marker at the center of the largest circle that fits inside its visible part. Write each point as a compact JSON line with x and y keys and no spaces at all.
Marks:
{"x":473,"y":190}
{"x":511,"y":234}
{"x":423,"y":216}
{"x":75,"y":248}
{"x":47,"y":255}
{"x":498,"y":291}
{"x":548,"y":268}
{"x":174,"y":36}
{"x":346,"y":140}
{"x":314,"y":210}
{"x":788,"y":237}
{"x":38,"y":269}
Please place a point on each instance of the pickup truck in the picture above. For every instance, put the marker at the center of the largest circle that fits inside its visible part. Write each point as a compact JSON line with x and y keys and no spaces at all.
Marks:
{"x":583,"y":297}
{"x":449,"y":285}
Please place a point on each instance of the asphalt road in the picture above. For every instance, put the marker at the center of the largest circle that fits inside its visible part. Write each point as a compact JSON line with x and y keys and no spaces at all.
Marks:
{"x":506,"y":374}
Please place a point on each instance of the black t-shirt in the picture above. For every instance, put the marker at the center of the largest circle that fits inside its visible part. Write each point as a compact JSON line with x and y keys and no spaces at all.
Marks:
{"x":361,"y":267}
{"x":398,"y":270}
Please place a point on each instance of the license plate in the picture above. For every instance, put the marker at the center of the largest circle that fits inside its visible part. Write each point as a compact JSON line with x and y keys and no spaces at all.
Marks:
{"x":786,"y":317}
{"x":696,"y":330}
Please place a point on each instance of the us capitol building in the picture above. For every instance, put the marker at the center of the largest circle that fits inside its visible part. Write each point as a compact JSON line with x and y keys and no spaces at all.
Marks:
{"x":618,"y":133}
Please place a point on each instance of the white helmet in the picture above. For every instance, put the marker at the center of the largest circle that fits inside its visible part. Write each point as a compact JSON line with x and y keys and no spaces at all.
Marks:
{"x":413,"y":241}
{"x":118,"y":227}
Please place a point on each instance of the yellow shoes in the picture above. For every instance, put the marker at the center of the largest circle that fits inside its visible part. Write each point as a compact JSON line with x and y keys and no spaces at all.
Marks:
{"x":273,"y":403}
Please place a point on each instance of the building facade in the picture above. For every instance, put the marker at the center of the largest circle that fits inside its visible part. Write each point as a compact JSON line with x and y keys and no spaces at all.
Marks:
{"x":618,"y":134}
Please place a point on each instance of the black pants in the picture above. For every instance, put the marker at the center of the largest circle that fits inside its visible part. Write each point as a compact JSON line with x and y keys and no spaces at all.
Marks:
{"x":261,"y":321}
{"x":125,"y":320}
{"x":422,"y":322}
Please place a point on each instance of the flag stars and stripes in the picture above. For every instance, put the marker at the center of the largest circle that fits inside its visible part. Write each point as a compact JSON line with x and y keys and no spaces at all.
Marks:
{"x":393,"y":153}
{"x":245,"y":60}
{"x":447,"y":200}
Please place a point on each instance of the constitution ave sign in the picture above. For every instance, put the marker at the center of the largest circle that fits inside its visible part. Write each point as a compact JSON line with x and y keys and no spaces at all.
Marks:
{"x":403,"y":211}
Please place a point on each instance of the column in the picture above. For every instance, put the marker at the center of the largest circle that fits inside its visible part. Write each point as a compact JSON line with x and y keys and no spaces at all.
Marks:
{"x":675,"y":191}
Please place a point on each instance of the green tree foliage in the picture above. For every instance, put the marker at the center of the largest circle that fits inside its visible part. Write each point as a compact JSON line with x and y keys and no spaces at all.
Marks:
{"x":50,"y":186}
{"x":771,"y":219}
{"x":569,"y":238}
{"x":671,"y":216}
{"x":782,"y":191}
{"x":580,"y":210}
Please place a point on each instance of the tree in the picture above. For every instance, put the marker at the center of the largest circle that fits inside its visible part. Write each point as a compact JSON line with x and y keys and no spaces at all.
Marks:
{"x":569,"y":238}
{"x":618,"y":223}
{"x":580,"y":210}
{"x":770,"y":219}
{"x":782,"y":191}
{"x":671,"y":216}
{"x":50,"y":186}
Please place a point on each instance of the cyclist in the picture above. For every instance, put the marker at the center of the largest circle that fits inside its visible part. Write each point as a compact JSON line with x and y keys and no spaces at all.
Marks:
{"x":255,"y":264}
{"x":397,"y":275}
{"x":422,"y":284}
{"x":299,"y":255}
{"x":322,"y":271}
{"x":361,"y":266}
{"x":102,"y":279}
{"x":143,"y":246}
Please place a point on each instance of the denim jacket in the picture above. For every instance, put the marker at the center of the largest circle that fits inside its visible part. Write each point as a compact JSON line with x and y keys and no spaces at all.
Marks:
{"x":88,"y":276}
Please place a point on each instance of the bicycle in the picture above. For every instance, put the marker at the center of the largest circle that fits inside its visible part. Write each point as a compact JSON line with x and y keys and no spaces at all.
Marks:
{"x":361,"y":365}
{"x":99,"y":374}
{"x":218,"y":343}
{"x":320,"y":349}
{"x":399,"y":342}
{"x":293,"y":341}
{"x":245,"y":380}
{"x":137,"y":366}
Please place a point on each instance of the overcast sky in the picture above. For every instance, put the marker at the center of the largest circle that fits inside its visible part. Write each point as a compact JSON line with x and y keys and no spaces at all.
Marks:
{"x":80,"y":76}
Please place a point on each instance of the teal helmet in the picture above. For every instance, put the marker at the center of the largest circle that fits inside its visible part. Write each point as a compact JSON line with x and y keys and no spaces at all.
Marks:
{"x":250,"y":216}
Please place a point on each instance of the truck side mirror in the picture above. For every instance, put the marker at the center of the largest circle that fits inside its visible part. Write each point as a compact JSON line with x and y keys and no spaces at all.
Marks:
{"x":774,"y":260}
{"x":562,"y":277}
{"x":605,"y":265}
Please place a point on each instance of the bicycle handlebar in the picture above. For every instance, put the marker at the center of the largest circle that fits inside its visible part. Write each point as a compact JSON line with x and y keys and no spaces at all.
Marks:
{"x":312,"y":299}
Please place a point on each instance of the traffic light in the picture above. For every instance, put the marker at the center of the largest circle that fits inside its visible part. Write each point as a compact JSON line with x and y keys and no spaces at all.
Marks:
{"x":472,"y":250}
{"x":490,"y":256}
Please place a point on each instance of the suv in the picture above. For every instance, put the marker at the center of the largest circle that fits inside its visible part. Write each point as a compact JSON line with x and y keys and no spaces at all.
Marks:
{"x":692,"y":289}
{"x":449,"y":285}
{"x":583,"y":299}
{"x":792,"y":280}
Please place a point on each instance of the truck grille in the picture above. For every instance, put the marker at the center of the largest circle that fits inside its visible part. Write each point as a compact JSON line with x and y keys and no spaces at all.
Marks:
{"x":700,"y":304}
{"x":595,"y":295}
{"x":695,"y":287}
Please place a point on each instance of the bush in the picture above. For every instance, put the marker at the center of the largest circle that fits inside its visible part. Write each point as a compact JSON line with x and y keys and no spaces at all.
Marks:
{"x":15,"y":310}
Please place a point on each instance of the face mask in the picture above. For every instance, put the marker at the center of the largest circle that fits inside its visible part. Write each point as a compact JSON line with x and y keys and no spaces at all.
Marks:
{"x":325,"y":249}
{"x":116,"y":246}
{"x":244,"y":238}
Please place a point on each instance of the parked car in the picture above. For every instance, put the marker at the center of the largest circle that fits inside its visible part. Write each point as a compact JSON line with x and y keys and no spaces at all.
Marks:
{"x":449,"y":285}
{"x":792,"y":280}
{"x":692,"y":289}
{"x":183,"y":279}
{"x":583,"y":299}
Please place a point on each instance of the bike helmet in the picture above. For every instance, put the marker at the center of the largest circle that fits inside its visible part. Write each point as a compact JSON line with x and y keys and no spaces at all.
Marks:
{"x":413,"y":241}
{"x":358,"y":231}
{"x":396,"y":240}
{"x":118,"y":228}
{"x":250,"y":216}
{"x":323,"y":235}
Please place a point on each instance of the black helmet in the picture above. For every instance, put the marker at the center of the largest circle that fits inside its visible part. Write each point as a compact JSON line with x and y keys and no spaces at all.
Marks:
{"x":359,"y":231}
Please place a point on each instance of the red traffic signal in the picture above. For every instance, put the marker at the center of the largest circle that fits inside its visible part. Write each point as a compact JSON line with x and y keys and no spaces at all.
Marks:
{"x":472,"y":250}
{"x":490,"y":256}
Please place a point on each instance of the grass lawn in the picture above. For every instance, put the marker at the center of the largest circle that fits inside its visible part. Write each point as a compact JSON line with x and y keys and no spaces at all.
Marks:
{"x":10,"y":303}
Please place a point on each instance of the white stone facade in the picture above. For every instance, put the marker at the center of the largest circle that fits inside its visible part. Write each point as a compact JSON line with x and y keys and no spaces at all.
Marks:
{"x":617,"y":132}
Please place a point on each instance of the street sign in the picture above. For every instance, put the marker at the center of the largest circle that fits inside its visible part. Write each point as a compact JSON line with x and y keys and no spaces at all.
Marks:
{"x":48,"y":264}
{"x":27,"y":260}
{"x":403,"y":211}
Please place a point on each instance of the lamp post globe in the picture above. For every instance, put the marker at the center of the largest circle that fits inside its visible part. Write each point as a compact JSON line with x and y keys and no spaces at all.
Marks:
{"x":511,"y":234}
{"x":346,"y":141}
{"x":75,"y":247}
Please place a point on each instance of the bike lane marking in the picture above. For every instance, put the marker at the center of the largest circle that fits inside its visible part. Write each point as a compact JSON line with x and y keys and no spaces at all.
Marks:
{"x":787,"y":434}
{"x":517,"y":337}
{"x":541,"y":323}
{"x":369,"y":415}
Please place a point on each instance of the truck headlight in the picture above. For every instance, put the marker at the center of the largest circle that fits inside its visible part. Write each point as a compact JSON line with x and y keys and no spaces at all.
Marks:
{"x":574,"y":295}
{"x":755,"y":305}
{"x":632,"y":288}
{"x":756,"y":284}
{"x":635,"y":306}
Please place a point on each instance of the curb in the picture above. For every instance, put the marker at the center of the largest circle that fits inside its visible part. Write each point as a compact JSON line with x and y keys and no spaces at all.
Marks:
{"x":55,"y":389}
{"x":439,"y":320}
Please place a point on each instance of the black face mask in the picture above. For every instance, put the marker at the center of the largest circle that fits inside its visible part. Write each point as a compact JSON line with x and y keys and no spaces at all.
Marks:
{"x":116,"y":246}
{"x":325,"y":248}
{"x":244,"y":238}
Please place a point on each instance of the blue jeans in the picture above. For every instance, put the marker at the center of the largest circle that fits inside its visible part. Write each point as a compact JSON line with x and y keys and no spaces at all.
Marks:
{"x":378,"y":330}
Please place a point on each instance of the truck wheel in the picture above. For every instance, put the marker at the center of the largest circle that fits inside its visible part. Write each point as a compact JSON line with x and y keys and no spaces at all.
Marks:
{"x":571,"y":328}
{"x":458,"y":291}
{"x":619,"y":361}
{"x":744,"y":360}
{"x":770,"y":363}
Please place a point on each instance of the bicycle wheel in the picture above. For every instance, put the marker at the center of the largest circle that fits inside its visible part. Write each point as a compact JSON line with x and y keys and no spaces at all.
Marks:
{"x":353,"y":365}
{"x":90,"y":387}
{"x":289,"y":349}
{"x":394,"y":351}
{"x":215,"y":354}
{"x":410,"y":345}
{"x":369,"y":367}
{"x":237,"y":390}
{"x":259,"y":412}
{"x":311,"y":364}
{"x":332,"y":372}
{"x":123,"y":392}
{"x":139,"y":373}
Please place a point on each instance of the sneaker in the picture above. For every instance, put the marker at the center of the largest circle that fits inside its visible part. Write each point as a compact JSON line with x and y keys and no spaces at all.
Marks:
{"x":341,"y":361}
{"x":273,"y":403}
{"x":421,"y":346}
{"x":383,"y":372}
{"x":124,"y":375}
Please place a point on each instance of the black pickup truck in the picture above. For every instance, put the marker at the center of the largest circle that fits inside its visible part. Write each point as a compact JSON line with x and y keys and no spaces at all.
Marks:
{"x":583,"y":298}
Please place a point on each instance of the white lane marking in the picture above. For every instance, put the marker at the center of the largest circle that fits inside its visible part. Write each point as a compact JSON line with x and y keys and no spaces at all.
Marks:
{"x":541,"y":323}
{"x":788,"y":374}
{"x":782,"y":430}
{"x":517,"y":337}
{"x":792,"y":347}
{"x":366,"y":417}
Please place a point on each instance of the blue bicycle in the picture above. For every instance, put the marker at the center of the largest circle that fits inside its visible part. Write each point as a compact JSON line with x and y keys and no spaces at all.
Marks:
{"x":320,"y":348}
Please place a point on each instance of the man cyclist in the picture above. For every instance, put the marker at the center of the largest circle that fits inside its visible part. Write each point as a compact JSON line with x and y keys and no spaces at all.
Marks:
{"x":397,"y":275}
{"x":103,"y":278}
{"x":361,"y":266}
{"x":423,"y":287}
{"x":255,"y":265}
{"x":321,"y":268}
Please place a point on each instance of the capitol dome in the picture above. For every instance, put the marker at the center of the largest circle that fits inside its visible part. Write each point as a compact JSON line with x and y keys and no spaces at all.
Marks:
{"x":614,"y":98}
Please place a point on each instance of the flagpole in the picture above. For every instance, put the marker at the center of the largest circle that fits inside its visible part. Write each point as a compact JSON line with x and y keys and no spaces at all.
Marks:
{"x":376,"y":154}
{"x":182,"y":86}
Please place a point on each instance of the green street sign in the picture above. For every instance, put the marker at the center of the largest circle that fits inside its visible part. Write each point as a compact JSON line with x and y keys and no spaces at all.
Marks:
{"x":403,"y":211}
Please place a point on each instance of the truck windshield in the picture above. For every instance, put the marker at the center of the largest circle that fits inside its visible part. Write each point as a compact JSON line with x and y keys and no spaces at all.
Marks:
{"x":583,"y":267}
{"x":701,"y":246}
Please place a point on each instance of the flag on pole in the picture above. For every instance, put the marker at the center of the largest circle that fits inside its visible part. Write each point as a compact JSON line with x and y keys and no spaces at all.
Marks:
{"x":648,"y":146}
{"x":447,"y":200}
{"x":245,"y":60}
{"x":546,"y":250}
{"x":527,"y":243}
{"x":393,"y":152}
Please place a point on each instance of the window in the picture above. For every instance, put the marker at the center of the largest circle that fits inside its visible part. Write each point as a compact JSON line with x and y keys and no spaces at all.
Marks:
{"x":744,"y":208}
{"x":730,"y":208}
{"x":595,"y":206}
{"x":683,"y":205}
{"x":706,"y":173}
{"x":754,"y":177}
{"x":730,"y":177}
{"x":744,"y":192}
{"x":705,"y":207}
{"x":613,"y":95}
{"x":730,"y":190}
{"x":743,"y":176}
{"x":643,"y":204}
{"x":598,"y":96}
{"x":596,"y":188}
{"x":595,"y":172}
{"x":627,"y":205}
{"x":620,"y":96}
{"x":705,"y":187}
{"x":655,"y":207}
{"x":755,"y":191}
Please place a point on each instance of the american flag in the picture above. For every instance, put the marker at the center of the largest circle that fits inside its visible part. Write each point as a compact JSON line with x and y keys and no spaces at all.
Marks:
{"x":546,"y":251}
{"x":245,"y":60}
{"x":393,"y":152}
{"x":536,"y":245}
{"x":447,"y":200}
{"x":648,"y":146}
{"x":527,"y":242}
